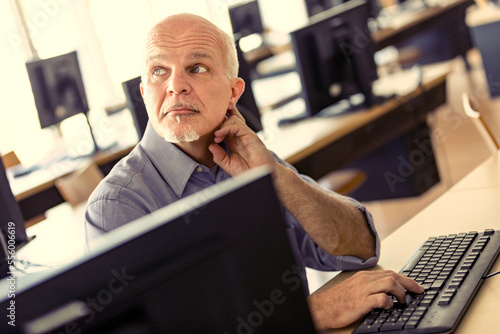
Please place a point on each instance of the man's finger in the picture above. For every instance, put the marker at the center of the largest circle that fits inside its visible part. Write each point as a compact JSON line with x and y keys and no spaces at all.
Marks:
{"x":410,"y":284}
{"x":236,"y":113}
{"x":396,"y":285}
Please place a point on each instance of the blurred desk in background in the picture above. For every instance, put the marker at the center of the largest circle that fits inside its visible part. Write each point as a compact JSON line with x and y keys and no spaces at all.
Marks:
{"x":319,"y":145}
{"x":36,"y":191}
{"x":448,"y":18}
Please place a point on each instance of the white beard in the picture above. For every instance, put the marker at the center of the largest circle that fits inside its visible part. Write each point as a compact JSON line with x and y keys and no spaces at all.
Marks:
{"x":189,"y":135}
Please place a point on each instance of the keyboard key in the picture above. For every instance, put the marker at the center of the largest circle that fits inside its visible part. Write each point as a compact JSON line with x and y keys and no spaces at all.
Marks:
{"x":438,"y":284}
{"x":455,"y":284}
{"x":411,"y":324}
{"x":368,"y":329}
{"x":444,"y":301}
{"x":489,"y":232}
{"x":392,"y":326}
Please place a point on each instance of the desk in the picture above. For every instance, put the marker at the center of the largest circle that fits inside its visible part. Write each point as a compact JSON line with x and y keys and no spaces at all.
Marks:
{"x":471,"y":205}
{"x":450,"y":17}
{"x":36,"y":192}
{"x":317,"y":146}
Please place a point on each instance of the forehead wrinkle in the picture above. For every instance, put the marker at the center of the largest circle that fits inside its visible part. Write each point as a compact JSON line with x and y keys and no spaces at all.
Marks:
{"x":199,"y":37}
{"x":202,"y":48}
{"x":193,"y":55}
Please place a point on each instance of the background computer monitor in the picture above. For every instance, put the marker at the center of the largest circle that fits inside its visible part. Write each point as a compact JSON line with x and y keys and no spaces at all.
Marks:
{"x":314,"y":7}
{"x":208,"y":263}
{"x":58,"y":88}
{"x":11,"y":219}
{"x":135,"y":103}
{"x":335,"y":56}
{"x":245,"y":19}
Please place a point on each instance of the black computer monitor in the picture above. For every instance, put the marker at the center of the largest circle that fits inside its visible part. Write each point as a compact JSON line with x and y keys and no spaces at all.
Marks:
{"x":135,"y":103}
{"x":13,"y":232}
{"x":335,"y":56}
{"x":245,"y":19}
{"x":58,"y":88}
{"x":218,"y":261}
{"x":315,"y":7}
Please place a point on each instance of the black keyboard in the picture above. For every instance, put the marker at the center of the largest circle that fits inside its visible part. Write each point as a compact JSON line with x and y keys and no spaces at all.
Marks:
{"x":451,"y":268}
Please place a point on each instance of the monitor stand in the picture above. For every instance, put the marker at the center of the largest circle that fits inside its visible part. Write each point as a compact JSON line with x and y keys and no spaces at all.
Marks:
{"x":95,"y":147}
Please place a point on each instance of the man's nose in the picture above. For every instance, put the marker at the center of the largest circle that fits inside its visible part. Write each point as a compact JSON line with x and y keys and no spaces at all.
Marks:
{"x":178,"y":83}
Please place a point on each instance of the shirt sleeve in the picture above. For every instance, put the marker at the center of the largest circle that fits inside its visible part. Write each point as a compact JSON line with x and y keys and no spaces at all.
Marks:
{"x":310,"y":254}
{"x":103,"y":215}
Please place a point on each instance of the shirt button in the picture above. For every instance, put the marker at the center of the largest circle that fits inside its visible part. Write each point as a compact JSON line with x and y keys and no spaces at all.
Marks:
{"x":199,"y":169}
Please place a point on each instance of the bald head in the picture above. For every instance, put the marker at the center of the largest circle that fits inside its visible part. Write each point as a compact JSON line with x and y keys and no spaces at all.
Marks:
{"x":169,"y":32}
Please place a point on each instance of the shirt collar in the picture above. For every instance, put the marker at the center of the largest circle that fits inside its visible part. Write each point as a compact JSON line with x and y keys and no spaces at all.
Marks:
{"x":173,"y":164}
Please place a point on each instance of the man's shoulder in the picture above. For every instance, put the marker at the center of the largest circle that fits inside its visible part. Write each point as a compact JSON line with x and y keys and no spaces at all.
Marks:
{"x":123,"y":178}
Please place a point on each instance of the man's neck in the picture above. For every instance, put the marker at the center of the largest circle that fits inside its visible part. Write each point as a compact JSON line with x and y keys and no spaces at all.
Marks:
{"x":198,"y":150}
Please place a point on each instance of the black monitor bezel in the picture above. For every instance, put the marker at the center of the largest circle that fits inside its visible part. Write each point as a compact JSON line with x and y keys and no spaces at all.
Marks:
{"x":135,"y":103}
{"x":249,"y":9}
{"x":42,"y":73}
{"x":262,"y":272}
{"x":353,"y":17}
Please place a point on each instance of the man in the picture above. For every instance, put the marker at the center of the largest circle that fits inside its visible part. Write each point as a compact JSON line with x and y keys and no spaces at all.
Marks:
{"x":197,"y":137}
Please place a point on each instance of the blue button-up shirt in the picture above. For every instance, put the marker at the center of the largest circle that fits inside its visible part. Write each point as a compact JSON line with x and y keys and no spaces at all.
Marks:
{"x":157,"y":173}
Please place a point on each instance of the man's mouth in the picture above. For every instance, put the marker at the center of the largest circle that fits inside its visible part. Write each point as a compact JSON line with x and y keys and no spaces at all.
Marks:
{"x":180,"y":109}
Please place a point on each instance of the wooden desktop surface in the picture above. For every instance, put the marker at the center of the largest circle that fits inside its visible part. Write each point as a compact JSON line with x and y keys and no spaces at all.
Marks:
{"x":36,"y":191}
{"x":35,"y":182}
{"x":471,"y":205}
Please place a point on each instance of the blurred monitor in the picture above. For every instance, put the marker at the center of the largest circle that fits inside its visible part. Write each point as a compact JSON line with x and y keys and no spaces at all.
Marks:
{"x":335,"y":58}
{"x":58,"y":88}
{"x":314,"y":7}
{"x":245,"y":19}
{"x":135,"y":103}
{"x":208,"y":263}
{"x":13,"y":233}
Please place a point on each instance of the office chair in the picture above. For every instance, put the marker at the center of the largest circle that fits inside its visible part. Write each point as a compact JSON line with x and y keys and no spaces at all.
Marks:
{"x":343,"y":182}
{"x":480,"y":123}
{"x":76,"y":187}
{"x":10,"y":159}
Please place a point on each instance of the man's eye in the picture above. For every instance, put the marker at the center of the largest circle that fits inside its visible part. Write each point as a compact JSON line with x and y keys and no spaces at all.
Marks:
{"x":199,"y":69}
{"x":158,"y":71}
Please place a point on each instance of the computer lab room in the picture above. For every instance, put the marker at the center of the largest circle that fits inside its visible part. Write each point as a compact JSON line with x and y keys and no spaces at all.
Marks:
{"x":391,"y":107}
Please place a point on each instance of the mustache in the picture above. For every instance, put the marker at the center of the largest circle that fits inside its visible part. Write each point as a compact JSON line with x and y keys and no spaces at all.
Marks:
{"x":184,"y":105}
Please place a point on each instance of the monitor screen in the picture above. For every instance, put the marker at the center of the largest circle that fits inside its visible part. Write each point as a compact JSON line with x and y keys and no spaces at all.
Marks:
{"x":245,"y":19}
{"x":13,"y":232}
{"x":58,"y":88}
{"x":335,"y":56}
{"x":208,"y":263}
{"x":314,"y":7}
{"x":135,"y":103}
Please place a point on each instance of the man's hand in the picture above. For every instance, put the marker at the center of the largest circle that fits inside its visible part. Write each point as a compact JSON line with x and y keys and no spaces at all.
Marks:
{"x":351,"y":299}
{"x":245,"y":147}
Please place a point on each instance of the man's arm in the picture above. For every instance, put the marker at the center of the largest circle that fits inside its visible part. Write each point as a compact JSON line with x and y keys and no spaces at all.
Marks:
{"x":334,"y":222}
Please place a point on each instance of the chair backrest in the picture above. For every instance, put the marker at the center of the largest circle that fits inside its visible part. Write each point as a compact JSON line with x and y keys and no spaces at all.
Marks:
{"x":76,"y":187}
{"x":10,"y":159}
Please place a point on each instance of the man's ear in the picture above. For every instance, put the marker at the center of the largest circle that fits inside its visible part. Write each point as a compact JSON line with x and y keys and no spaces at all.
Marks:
{"x":236,"y":91}
{"x":142,"y":89}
